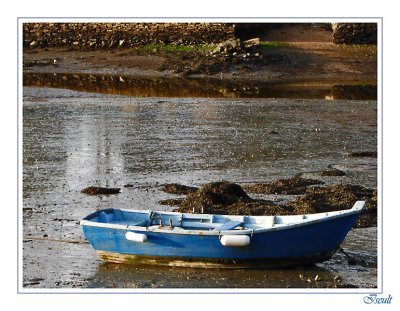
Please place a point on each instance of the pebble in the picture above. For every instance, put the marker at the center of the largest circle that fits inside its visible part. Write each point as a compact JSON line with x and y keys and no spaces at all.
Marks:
{"x":337,"y":278}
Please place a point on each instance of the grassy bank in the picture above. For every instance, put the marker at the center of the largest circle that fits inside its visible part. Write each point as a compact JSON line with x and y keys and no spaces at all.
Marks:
{"x":171,"y":48}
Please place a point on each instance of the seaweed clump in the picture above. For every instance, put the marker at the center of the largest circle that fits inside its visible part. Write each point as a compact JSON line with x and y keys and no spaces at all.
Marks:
{"x":337,"y":197}
{"x":288,"y":186}
{"x":332,"y":172}
{"x":226,"y":198}
{"x":178,"y":189}
{"x":100,"y":190}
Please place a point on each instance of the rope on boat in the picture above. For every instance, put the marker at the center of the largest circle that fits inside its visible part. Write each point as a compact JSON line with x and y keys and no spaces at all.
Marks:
{"x":25,"y":239}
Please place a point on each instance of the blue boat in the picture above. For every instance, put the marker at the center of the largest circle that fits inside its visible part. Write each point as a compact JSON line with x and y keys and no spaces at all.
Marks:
{"x":204,"y":240}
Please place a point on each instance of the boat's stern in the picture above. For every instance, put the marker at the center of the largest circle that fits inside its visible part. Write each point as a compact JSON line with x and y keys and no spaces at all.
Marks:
{"x":358,"y":206}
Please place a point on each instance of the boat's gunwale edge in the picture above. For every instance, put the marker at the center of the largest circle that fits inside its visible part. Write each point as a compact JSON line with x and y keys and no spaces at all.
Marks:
{"x":356,"y":209}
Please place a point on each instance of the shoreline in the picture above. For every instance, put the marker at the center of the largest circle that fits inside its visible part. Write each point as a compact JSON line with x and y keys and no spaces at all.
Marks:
{"x":294,"y":52}
{"x":304,"y":70}
{"x":297,"y":63}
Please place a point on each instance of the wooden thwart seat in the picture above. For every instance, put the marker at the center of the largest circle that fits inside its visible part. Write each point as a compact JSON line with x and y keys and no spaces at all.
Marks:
{"x":230,"y":225}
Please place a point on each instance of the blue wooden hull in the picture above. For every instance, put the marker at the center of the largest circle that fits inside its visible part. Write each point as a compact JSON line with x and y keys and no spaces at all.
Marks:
{"x":286,"y":246}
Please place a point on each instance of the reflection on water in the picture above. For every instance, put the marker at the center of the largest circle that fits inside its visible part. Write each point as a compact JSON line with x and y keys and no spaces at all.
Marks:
{"x":353,"y":92}
{"x":131,"y":276}
{"x":191,"y":87}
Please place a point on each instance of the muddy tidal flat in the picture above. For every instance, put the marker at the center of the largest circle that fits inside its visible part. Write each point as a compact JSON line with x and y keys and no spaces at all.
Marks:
{"x":77,"y":139}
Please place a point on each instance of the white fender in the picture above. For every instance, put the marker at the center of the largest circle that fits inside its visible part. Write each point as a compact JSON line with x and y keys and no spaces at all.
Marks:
{"x":235,"y":240}
{"x":136,"y":237}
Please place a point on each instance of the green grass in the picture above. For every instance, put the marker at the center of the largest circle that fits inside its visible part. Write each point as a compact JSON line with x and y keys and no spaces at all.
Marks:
{"x":273,"y":45}
{"x":168,"y":48}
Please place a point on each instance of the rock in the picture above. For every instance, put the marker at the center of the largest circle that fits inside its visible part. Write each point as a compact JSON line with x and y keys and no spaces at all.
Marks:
{"x":228,"y":46}
{"x":100,"y":190}
{"x":252,"y":42}
{"x":354,"y":33}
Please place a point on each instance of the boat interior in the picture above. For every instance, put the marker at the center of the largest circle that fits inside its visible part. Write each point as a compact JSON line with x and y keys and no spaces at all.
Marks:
{"x":187,"y":221}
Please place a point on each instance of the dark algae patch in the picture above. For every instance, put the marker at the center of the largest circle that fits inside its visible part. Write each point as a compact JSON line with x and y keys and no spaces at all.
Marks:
{"x":331,"y":172}
{"x":289,"y":186}
{"x":363,"y":154}
{"x":338,"y":197}
{"x":100,"y":190}
{"x":214,"y":196}
{"x":178,"y":189}
{"x":171,"y":202}
{"x":223,"y":197}
{"x":228,"y":198}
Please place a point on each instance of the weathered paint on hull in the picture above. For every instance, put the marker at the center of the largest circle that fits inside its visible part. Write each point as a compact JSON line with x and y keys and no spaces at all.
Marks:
{"x":300,"y":245}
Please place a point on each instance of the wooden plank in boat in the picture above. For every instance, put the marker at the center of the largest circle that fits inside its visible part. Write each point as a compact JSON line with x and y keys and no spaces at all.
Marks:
{"x":230,"y":225}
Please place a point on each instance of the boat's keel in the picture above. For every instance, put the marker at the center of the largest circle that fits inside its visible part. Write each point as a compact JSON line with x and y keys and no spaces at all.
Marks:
{"x":266,"y":263}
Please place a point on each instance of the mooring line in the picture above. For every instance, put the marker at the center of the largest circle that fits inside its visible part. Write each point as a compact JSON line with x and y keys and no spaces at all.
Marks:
{"x":352,"y":260}
{"x":25,"y":239}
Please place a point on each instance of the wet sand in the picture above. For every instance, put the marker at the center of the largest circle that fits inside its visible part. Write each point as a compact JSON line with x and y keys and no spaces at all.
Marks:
{"x":73,"y":140}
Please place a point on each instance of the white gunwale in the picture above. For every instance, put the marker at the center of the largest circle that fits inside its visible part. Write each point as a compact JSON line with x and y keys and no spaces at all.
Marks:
{"x":260,"y":223}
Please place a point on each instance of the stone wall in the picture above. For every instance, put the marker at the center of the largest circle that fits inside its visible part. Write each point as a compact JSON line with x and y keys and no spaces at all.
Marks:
{"x":124,"y":35}
{"x":113,"y":35}
{"x":355,"y":33}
